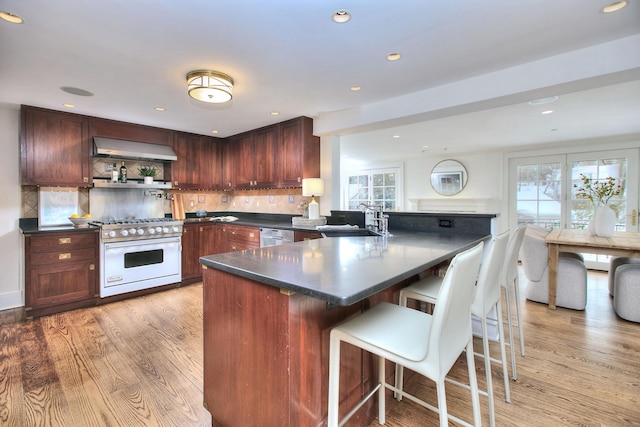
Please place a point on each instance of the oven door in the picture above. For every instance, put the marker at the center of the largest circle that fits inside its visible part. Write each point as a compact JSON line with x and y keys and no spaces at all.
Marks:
{"x":140,"y":264}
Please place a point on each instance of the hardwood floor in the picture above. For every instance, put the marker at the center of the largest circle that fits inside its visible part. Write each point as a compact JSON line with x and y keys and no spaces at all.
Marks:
{"x":139,"y":363}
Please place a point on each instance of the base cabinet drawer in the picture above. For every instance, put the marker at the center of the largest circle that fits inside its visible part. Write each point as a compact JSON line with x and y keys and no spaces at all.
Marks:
{"x":241,"y":237}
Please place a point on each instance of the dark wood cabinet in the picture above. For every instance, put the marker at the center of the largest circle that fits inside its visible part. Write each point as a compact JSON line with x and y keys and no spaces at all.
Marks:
{"x":61,"y":271}
{"x":130,"y":131}
{"x":54,"y":148}
{"x":228,"y":166}
{"x":266,"y":157}
{"x":240,"y":237}
{"x":243,"y":161}
{"x":255,"y":158}
{"x":199,"y":239}
{"x":298,"y":153}
{"x":199,"y":162}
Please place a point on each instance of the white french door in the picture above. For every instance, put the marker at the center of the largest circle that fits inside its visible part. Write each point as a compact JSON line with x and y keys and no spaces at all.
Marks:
{"x":541,"y":191}
{"x":619,"y":164}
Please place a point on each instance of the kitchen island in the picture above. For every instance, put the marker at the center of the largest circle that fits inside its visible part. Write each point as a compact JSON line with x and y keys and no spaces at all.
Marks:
{"x":268,"y":313}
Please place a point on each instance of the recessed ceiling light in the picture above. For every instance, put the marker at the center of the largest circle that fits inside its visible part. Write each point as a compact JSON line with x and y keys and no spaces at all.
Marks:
{"x":159,"y":109}
{"x":356,"y":88}
{"x":66,"y":104}
{"x":274,"y":113}
{"x":76,"y":91}
{"x":341,"y":16}
{"x":547,"y":112}
{"x":614,"y":7}
{"x":425,"y":146}
{"x":10,"y":17}
{"x":393,"y":56}
{"x":396,"y":136}
{"x":541,"y":101}
{"x":215,"y":131}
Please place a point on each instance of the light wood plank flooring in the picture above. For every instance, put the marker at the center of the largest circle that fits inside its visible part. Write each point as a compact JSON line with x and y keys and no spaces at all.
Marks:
{"x":139,"y":363}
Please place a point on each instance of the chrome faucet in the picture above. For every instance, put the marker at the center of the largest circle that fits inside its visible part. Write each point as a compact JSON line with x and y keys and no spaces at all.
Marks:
{"x":380,"y":220}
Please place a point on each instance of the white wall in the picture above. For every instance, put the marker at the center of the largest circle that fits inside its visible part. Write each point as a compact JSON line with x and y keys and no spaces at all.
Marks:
{"x":11,"y":258}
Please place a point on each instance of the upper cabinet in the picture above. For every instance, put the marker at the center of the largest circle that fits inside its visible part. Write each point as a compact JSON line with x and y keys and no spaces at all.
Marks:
{"x":54,"y":148}
{"x":277,"y":156}
{"x":199,"y":164}
{"x":299,"y":152}
{"x":130,"y":131}
{"x":255,"y":158}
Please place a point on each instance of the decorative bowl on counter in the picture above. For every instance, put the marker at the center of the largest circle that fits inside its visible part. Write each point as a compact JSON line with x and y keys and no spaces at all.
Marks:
{"x":80,"y":222}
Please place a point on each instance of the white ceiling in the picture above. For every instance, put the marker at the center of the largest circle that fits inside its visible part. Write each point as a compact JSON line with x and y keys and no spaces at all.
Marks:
{"x":288,"y":56}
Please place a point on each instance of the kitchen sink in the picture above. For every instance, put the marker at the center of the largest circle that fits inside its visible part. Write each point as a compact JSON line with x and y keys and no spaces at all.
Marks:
{"x":349,"y":233}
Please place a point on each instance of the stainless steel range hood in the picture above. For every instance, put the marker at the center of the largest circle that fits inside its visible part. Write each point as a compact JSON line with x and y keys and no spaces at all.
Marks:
{"x":121,"y":149}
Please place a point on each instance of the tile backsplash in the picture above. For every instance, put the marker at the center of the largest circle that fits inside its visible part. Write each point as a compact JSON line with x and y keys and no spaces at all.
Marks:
{"x":281,"y":201}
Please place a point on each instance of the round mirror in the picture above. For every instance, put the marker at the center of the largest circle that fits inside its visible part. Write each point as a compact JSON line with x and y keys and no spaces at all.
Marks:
{"x":448,"y":177}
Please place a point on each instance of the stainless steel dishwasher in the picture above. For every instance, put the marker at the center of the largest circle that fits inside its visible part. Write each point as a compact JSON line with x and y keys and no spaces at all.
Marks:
{"x":275,"y":236}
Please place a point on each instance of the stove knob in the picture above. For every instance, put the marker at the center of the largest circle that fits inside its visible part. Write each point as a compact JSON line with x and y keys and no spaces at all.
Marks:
{"x":152,"y":230}
{"x":159,"y":229}
{"x":175,"y":229}
{"x":165,"y":230}
{"x":132,"y":231}
{"x":140,"y":231}
{"x":124,"y":233}
{"x":112,"y":233}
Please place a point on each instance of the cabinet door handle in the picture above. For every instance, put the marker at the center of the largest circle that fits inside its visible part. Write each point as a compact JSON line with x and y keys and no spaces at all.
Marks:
{"x":85,"y":179}
{"x":64,"y":240}
{"x":233,"y":248}
{"x":66,"y":255}
{"x":92,"y":267}
{"x":299,"y":179}
{"x":252,"y":235}
{"x":233,"y":232}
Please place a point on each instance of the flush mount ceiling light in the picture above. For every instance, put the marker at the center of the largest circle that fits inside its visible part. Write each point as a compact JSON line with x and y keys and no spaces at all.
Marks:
{"x":210,"y":86}
{"x":341,"y":16}
{"x":614,"y":7}
{"x":10,"y":17}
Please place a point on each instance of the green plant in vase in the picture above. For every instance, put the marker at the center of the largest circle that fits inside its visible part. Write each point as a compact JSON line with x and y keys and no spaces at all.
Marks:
{"x":599,"y":192}
{"x":148,"y":172}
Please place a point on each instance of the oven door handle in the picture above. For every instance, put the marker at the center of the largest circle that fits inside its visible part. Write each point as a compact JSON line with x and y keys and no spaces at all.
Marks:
{"x":138,"y":243}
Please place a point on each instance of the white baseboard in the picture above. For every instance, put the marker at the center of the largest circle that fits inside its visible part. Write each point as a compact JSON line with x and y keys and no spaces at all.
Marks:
{"x":11,"y":300}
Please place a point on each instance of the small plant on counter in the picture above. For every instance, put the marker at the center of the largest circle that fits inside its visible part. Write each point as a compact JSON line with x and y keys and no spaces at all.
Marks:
{"x":303,"y":205}
{"x":147,"y":171}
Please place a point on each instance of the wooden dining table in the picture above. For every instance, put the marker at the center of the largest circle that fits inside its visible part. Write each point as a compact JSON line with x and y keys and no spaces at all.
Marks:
{"x":622,"y":243}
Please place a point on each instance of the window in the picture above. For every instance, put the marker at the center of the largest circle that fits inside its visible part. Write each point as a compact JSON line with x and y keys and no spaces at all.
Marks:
{"x":375,"y":186}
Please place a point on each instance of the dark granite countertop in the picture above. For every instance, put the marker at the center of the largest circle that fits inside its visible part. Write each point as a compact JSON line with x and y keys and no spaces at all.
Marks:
{"x":30,"y":226}
{"x":344,"y":270}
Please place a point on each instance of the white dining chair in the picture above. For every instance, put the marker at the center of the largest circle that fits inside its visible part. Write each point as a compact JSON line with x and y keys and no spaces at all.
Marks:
{"x":509,"y":279}
{"x":427,"y":344}
{"x":486,"y":300}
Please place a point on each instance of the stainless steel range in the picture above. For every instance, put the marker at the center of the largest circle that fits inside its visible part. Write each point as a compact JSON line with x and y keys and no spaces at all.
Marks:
{"x":139,"y":247}
{"x":138,"y":254}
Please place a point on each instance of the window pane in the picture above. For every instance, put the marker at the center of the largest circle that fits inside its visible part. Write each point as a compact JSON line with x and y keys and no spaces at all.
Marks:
{"x":538,"y":194}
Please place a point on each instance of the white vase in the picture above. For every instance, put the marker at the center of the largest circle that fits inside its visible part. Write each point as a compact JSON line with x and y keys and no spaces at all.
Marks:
{"x":592,"y":225}
{"x":148,"y":180}
{"x":605,"y":221}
